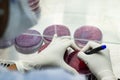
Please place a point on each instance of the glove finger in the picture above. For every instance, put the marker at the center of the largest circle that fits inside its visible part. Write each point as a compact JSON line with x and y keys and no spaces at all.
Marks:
{"x":70,"y":43}
{"x":74,"y":46}
{"x":54,"y":37}
{"x":82,"y":56}
{"x":89,"y":45}
{"x":66,"y":43}
{"x":66,"y":37}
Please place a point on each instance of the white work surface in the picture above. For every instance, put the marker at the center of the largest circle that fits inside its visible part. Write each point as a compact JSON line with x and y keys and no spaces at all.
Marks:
{"x":105,"y":14}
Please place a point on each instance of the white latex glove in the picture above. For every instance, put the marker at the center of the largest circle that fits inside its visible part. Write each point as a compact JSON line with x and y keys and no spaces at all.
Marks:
{"x":52,"y":55}
{"x":99,"y":63}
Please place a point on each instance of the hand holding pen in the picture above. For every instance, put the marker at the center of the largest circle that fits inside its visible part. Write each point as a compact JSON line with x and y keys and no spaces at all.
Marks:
{"x":98,"y":63}
{"x":95,"y":50}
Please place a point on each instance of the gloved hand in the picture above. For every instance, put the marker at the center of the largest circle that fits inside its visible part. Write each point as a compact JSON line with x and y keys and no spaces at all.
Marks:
{"x":99,"y":63}
{"x":52,"y":55}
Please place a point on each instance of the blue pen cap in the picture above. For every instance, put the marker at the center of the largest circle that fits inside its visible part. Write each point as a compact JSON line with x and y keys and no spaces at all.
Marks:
{"x":103,"y":46}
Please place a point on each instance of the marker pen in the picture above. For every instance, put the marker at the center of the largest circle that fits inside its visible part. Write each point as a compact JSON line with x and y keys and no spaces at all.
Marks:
{"x":95,"y":50}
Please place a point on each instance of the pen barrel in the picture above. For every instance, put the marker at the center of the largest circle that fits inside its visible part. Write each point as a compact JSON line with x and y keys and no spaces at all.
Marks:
{"x":95,"y":50}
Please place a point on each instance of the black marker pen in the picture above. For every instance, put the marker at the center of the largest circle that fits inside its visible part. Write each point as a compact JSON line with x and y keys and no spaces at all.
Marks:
{"x":95,"y":50}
